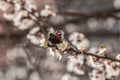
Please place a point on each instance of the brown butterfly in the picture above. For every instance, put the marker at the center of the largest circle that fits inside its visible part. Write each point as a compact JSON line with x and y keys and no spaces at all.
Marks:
{"x":57,"y":37}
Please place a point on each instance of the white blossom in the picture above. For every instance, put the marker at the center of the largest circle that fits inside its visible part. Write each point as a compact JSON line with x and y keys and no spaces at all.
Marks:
{"x":36,"y":37}
{"x":36,"y":40}
{"x":9,"y":17}
{"x":42,"y":42}
{"x":75,"y":64}
{"x":54,"y":52}
{"x":4,"y":5}
{"x":78,"y":70}
{"x":26,"y":24}
{"x":92,"y":62}
{"x":98,"y":66}
{"x":30,"y":5}
{"x":62,"y":46}
{"x":34,"y":30}
{"x":70,"y":66}
{"x":33,"y":39}
{"x":36,"y":14}
{"x":84,"y":44}
{"x":47,"y":11}
{"x":110,"y":70}
{"x":73,"y":37}
{"x":101,"y":50}
{"x":118,"y":57}
{"x":97,"y":75}
{"x":79,"y":59}
{"x":79,"y":40}
{"x":17,"y":6}
{"x":19,"y":15}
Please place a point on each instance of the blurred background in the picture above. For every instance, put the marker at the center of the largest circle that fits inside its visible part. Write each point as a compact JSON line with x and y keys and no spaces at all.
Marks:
{"x":97,"y":19}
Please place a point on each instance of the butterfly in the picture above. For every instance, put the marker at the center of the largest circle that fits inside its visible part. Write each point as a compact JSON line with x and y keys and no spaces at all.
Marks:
{"x":57,"y":37}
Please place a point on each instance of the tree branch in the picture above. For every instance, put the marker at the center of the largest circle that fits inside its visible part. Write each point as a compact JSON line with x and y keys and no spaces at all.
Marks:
{"x":74,"y":49}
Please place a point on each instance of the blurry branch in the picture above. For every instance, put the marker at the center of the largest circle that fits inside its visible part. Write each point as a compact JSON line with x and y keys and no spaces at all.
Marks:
{"x":100,"y":14}
{"x":78,"y":15}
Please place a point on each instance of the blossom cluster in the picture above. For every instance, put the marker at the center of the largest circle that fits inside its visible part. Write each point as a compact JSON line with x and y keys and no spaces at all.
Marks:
{"x":24,"y":12}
